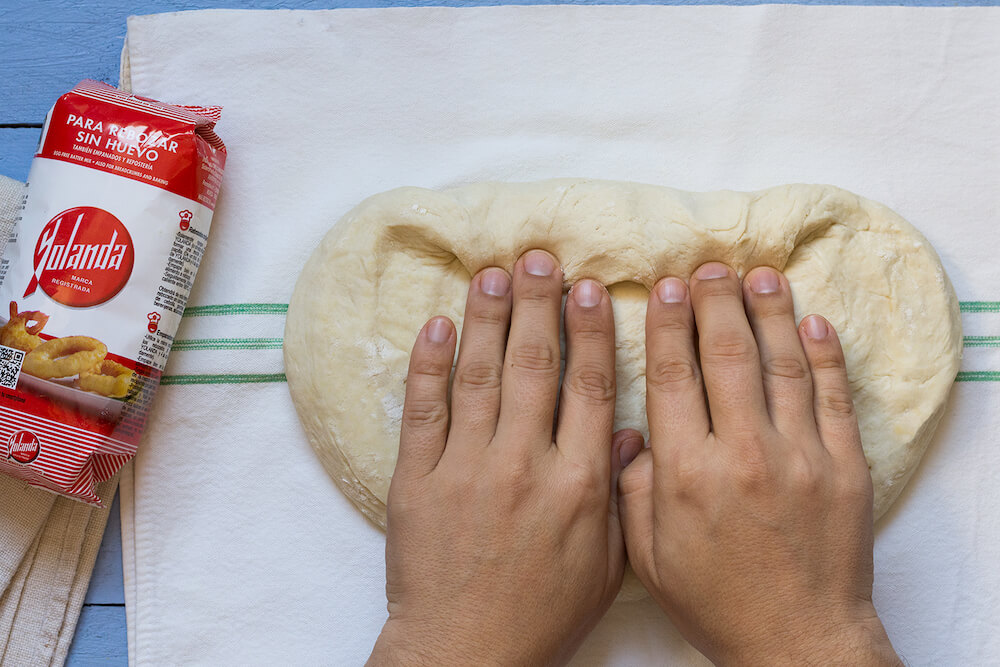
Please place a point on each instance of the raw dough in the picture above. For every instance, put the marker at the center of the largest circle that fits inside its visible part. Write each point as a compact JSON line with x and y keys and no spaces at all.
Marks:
{"x":403,"y":256}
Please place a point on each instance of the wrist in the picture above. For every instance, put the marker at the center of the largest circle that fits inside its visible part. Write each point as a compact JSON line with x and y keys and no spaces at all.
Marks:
{"x":860,"y":641}
{"x":396,"y":646}
{"x":408,"y":644}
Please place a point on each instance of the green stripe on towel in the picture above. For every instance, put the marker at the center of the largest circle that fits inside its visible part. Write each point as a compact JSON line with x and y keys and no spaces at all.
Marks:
{"x":978,"y":376}
{"x":981,"y":341}
{"x":256,"y":378}
{"x":282,"y":308}
{"x":237,"y":309}
{"x":224,"y":378}
{"x":275,"y":343}
{"x":227,"y":344}
{"x":979,"y":306}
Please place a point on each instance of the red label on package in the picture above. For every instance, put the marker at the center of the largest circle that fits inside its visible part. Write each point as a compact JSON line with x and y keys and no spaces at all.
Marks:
{"x":23,"y":446}
{"x":96,"y":276}
{"x":84,"y":257}
{"x":171,"y":147}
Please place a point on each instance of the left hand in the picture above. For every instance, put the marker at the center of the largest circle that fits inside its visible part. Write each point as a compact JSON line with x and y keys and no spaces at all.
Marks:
{"x":503,"y":542}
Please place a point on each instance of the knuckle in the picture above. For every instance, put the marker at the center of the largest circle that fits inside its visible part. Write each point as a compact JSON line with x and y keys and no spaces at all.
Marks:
{"x":753,"y":479}
{"x":721,"y":288}
{"x":672,"y":325}
{"x":590,"y":329}
{"x":587,"y":480}
{"x":729,"y":347}
{"x":592,"y":383}
{"x":836,"y":402}
{"x":429,"y":367}
{"x":689,"y":479}
{"x":806,"y":477}
{"x":539,"y":293}
{"x":487,"y":317}
{"x":478,"y":375}
{"x":587,"y":487}
{"x":535,"y":355}
{"x":592,"y":339}
{"x":751,"y":464}
{"x":463,"y":482}
{"x":668,"y":372}
{"x":789,"y":367}
{"x":829,"y":362}
{"x":515,"y":481}
{"x":772,"y":306}
{"x":421,"y":413}
{"x":633,"y":481}
{"x":855,"y":486}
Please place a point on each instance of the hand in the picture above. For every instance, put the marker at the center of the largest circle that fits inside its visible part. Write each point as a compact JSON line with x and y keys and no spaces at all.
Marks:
{"x":503,"y":544}
{"x":749,"y":518}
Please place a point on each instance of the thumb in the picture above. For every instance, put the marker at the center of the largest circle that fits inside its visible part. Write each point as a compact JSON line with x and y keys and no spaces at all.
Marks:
{"x":635,"y":511}
{"x":625,"y":446}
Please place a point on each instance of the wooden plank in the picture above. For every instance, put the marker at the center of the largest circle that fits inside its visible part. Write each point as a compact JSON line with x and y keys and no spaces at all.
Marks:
{"x":17,"y":147}
{"x":100,"y":638}
{"x":106,"y":585}
{"x":49,"y":46}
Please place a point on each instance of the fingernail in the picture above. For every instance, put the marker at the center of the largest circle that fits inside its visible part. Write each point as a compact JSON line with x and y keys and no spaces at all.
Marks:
{"x":711,"y":270}
{"x":587,"y":293}
{"x":629,"y":450}
{"x":495,"y":282}
{"x":816,"y":327}
{"x":764,"y":281}
{"x":538,"y":263}
{"x":438,"y":330}
{"x":671,"y":290}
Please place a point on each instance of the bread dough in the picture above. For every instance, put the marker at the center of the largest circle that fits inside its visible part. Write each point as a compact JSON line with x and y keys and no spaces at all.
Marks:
{"x":406,"y":255}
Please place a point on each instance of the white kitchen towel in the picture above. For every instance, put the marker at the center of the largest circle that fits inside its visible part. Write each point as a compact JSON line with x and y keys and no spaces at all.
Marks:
{"x":240,"y":550}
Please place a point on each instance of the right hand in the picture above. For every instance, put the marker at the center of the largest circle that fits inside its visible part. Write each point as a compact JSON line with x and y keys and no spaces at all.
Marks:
{"x":749,"y":517}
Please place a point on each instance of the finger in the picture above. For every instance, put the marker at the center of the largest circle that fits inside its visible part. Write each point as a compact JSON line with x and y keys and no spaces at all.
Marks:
{"x":475,"y":391}
{"x":424,"y":427}
{"x":787,"y":382}
{"x":635,"y":511}
{"x":675,"y":398}
{"x":530,"y":379}
{"x":625,"y":446}
{"x":729,"y":360}
{"x":587,"y":402}
{"x":833,"y":405}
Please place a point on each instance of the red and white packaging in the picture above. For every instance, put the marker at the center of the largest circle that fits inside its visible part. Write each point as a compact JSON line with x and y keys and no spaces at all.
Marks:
{"x":96,"y":275}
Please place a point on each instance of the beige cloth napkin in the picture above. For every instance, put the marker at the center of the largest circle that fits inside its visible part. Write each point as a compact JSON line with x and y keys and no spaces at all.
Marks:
{"x":48,"y":545}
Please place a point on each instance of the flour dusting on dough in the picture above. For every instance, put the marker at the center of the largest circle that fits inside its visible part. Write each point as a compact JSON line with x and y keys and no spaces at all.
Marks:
{"x":375,"y":352}
{"x":393,"y":408}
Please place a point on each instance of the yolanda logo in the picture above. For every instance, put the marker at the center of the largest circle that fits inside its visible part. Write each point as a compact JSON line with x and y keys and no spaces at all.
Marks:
{"x":23,"y":447}
{"x":83,"y":257}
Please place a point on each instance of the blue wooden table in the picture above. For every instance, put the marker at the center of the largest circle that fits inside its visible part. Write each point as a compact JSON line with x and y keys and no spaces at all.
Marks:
{"x":45,"y":48}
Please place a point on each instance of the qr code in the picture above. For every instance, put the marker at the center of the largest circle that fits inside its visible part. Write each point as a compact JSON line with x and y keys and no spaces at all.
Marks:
{"x":10,"y":366}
